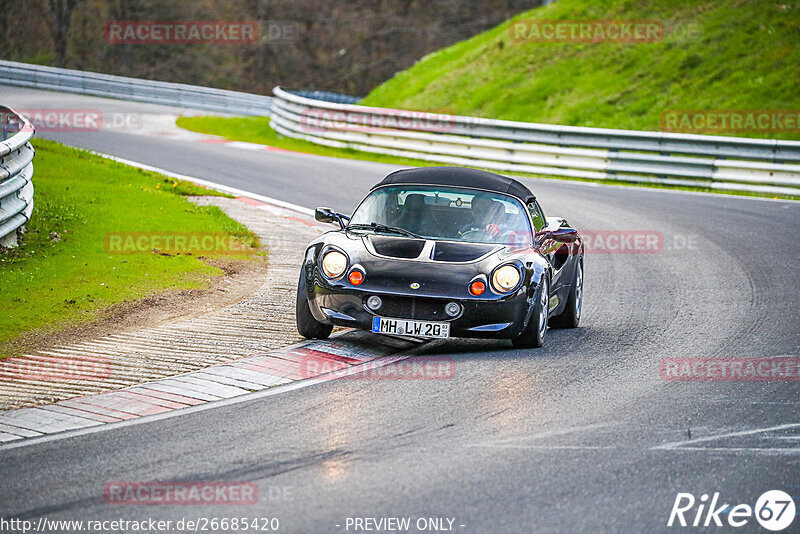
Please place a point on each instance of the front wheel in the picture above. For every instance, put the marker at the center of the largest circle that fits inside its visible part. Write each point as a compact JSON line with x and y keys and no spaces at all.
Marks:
{"x":533,"y":335}
{"x":307,"y":325}
{"x":571,"y":316}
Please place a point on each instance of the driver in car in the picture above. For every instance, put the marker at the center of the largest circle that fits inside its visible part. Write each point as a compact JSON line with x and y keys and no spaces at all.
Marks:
{"x":487,"y":216}
{"x":491,"y":223}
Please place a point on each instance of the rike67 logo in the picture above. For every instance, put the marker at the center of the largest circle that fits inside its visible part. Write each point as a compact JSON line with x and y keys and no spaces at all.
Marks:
{"x":774,"y":511}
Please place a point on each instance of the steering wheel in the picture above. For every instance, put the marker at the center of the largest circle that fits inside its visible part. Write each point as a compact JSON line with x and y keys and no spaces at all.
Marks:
{"x":479,"y":234}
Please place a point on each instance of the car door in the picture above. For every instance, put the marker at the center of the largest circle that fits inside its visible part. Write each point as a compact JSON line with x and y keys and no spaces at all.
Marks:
{"x":553,"y":239}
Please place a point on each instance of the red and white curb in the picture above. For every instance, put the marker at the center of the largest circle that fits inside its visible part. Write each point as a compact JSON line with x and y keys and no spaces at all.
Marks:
{"x":243,"y":145}
{"x":311,"y":361}
{"x":290,"y":367}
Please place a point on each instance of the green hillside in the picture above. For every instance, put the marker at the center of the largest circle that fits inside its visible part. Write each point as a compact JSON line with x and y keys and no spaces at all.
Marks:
{"x":713,"y":55}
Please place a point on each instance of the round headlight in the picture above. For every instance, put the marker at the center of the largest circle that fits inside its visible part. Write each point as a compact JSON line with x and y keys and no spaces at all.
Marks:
{"x":505,"y":278}
{"x":334,"y":263}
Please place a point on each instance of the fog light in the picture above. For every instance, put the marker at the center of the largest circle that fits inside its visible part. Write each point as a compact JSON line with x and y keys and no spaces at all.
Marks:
{"x":452,"y":309}
{"x":374,"y":303}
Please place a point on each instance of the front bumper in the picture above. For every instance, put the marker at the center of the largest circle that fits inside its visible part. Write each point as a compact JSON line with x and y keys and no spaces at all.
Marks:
{"x":492,"y":317}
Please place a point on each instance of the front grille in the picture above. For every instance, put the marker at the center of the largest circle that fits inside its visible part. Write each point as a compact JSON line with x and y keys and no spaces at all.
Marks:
{"x":413,"y":308}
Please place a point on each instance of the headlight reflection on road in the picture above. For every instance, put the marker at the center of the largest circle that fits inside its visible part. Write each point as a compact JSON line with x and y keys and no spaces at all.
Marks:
{"x":338,"y":425}
{"x":508,"y":397}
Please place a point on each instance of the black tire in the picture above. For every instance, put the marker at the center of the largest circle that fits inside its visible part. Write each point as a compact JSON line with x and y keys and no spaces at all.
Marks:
{"x":307,"y":325}
{"x":534,"y":333}
{"x":571,"y":316}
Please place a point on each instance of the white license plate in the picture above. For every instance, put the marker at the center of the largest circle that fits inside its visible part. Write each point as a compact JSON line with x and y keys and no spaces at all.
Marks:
{"x":406,"y":327}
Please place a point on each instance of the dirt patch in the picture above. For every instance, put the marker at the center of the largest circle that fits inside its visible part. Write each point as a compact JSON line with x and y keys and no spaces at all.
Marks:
{"x":240,"y":279}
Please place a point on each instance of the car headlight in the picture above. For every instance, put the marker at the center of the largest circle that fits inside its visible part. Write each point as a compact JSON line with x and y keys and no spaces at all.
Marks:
{"x":334,"y":263}
{"x":505,"y":278}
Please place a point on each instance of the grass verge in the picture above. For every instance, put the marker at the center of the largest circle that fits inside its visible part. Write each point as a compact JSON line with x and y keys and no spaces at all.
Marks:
{"x":64,"y":272}
{"x":706,"y":59}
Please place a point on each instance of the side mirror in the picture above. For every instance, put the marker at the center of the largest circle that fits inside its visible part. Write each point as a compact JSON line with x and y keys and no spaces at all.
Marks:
{"x":327,"y":215}
{"x":565,"y":234}
{"x":562,"y":235}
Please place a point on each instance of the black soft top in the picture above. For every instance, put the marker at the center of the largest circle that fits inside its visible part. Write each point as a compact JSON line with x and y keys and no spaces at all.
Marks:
{"x":459,"y":177}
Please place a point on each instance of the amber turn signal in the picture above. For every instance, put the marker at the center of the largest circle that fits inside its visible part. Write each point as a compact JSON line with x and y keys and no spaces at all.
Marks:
{"x":477,"y":288}
{"x":356,"y":277}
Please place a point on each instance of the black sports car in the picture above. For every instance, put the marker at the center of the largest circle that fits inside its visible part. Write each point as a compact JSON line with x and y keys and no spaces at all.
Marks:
{"x":443,"y":252}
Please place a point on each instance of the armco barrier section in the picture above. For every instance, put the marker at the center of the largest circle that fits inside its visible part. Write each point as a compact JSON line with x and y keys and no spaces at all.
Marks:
{"x":16,"y":175}
{"x":153,"y":92}
{"x":716,"y":162}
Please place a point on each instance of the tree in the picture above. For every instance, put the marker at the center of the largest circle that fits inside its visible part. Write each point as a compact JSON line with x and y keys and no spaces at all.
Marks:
{"x":60,"y":17}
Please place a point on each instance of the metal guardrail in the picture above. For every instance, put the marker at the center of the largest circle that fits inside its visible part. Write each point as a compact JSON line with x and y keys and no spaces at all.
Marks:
{"x":16,"y":175}
{"x":328,"y":96}
{"x":716,"y":162}
{"x":153,"y":92}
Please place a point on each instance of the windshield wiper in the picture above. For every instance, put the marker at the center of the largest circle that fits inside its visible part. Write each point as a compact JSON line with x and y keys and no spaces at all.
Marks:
{"x":377,"y":227}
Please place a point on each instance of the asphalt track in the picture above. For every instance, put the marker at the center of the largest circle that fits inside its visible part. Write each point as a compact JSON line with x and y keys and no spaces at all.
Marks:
{"x":582,"y":435}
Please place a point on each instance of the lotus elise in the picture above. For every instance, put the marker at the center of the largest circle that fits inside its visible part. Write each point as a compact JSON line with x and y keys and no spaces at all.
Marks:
{"x":443,"y":252}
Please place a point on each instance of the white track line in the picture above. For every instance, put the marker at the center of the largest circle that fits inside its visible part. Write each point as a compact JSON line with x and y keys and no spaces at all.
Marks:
{"x":508,"y":442}
{"x":212,"y":185}
{"x":685,"y":445}
{"x":760,"y":450}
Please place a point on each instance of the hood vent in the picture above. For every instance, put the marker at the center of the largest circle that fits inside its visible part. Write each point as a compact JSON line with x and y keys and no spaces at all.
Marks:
{"x":397,"y":247}
{"x":460,"y":252}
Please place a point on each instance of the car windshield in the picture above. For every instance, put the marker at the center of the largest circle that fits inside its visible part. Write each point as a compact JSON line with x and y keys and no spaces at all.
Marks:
{"x":445,"y":213}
